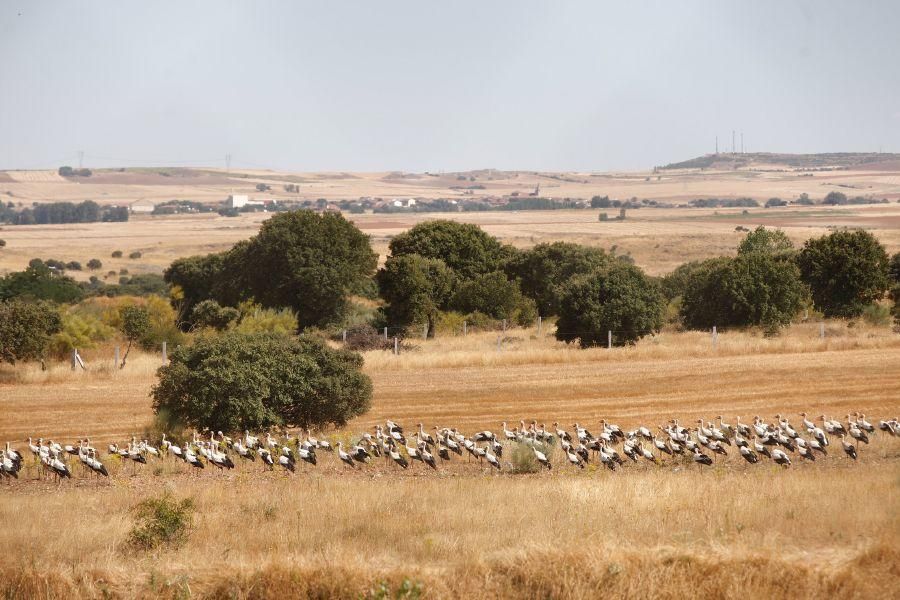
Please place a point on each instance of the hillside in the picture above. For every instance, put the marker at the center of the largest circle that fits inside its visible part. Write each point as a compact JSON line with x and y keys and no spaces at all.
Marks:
{"x":830,"y":160}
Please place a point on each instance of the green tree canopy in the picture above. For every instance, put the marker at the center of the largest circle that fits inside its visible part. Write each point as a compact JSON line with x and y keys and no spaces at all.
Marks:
{"x":543,"y":271}
{"x":894,"y":268}
{"x":753,"y":289}
{"x":307,"y":261}
{"x":845,"y":270}
{"x":766,"y":241}
{"x":618,"y":298}
{"x":25,"y":329}
{"x":494,"y":295}
{"x":415,"y":288}
{"x":234,"y":381}
{"x":198,"y":278}
{"x":463,"y":247}
{"x":38,"y":282}
{"x":209,"y":313}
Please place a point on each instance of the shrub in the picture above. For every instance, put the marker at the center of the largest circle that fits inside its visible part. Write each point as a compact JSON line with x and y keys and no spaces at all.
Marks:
{"x":255,"y":319}
{"x":365,"y":337}
{"x":2,"y":243}
{"x":25,"y":329}
{"x":73,"y":265}
{"x":617,"y":298}
{"x":209,"y":314}
{"x":123,"y":271}
{"x":234,"y":381}
{"x":161,"y":521}
{"x":94,"y":264}
{"x":135,"y":254}
{"x":845,"y":270}
{"x":894,"y":268}
{"x":79,"y":330}
{"x":117,"y":254}
{"x":877,"y":314}
{"x":523,"y":459}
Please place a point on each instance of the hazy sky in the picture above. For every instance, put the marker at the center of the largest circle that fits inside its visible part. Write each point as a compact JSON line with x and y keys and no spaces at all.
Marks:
{"x":419,"y":85}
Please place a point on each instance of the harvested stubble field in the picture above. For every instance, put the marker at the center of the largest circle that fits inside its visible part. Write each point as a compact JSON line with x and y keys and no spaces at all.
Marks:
{"x":823,"y":529}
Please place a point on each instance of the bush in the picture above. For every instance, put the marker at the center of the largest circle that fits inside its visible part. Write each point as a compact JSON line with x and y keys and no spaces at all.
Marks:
{"x":209,"y":314}
{"x":161,"y":521}
{"x":617,"y":298}
{"x":94,"y":264}
{"x":73,"y":265}
{"x":877,"y":314}
{"x":135,"y":254}
{"x":233,"y":381}
{"x":2,"y":243}
{"x":895,"y":309}
{"x":365,"y":337}
{"x":255,"y":319}
{"x":894,"y":268}
{"x":523,"y":459}
{"x":117,"y":254}
{"x":25,"y":329}
{"x":846,"y":271}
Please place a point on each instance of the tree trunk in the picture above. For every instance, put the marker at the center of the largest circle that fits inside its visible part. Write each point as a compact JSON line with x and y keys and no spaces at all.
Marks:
{"x":124,"y":358}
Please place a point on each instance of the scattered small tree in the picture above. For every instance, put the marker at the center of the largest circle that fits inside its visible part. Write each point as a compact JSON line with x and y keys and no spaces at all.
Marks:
{"x":73,"y":265}
{"x":117,"y":254}
{"x":234,"y":381}
{"x":2,"y":243}
{"x":94,"y":264}
{"x":617,"y":298}
{"x":494,"y":295}
{"x":135,"y":325}
{"x":845,"y":270}
{"x":894,"y":268}
{"x":134,"y":255}
{"x":25,"y":330}
{"x":767,"y":241}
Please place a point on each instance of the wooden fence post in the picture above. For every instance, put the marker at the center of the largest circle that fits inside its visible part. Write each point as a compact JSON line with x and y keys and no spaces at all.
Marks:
{"x":385,"y":334}
{"x":396,"y":346}
{"x":465,"y":328}
{"x":344,"y":336}
{"x":822,"y":330}
{"x":425,"y":333}
{"x":609,"y":340}
{"x":164,"y":354}
{"x":540,"y":323}
{"x":715,"y":336}
{"x":116,"y":363}
{"x":498,"y":343}
{"x":74,"y":354}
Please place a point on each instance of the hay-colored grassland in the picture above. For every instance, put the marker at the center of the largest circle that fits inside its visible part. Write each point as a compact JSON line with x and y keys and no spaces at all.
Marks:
{"x":658,"y":239}
{"x":823,"y":529}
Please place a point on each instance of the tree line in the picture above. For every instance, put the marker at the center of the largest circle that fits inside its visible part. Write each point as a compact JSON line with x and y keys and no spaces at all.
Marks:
{"x":61,"y":212}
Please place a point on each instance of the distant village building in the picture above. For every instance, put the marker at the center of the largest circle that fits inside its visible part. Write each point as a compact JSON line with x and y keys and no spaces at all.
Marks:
{"x":242,"y":200}
{"x":141,"y":207}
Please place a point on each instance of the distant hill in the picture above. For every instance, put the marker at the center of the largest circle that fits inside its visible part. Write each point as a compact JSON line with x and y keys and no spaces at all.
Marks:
{"x":829,"y":160}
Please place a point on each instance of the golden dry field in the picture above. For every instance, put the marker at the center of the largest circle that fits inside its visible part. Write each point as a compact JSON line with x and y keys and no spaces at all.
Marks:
{"x":825,"y":529}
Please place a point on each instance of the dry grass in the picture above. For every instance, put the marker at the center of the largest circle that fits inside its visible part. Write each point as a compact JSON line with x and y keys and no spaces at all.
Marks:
{"x":465,"y":531}
{"x":659,"y":532}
